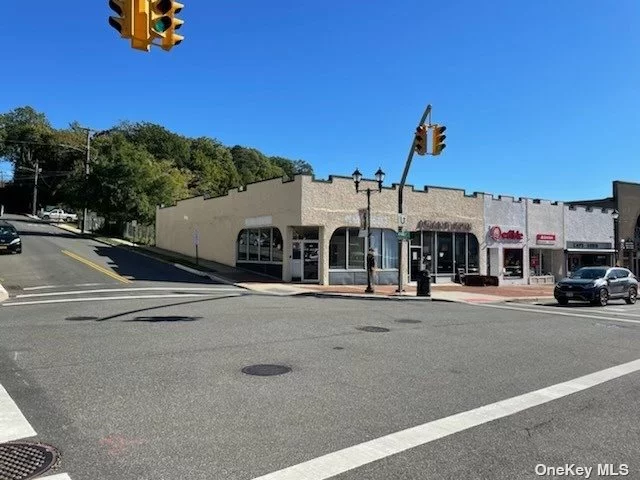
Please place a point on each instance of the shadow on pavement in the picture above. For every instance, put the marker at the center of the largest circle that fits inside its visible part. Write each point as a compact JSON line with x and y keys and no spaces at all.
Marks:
{"x":169,"y":318}
{"x":32,"y":233}
{"x":143,"y":268}
{"x":190,"y":302}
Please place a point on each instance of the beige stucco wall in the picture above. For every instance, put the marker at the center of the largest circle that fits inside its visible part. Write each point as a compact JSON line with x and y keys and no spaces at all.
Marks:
{"x":219,"y":220}
{"x":334,"y":203}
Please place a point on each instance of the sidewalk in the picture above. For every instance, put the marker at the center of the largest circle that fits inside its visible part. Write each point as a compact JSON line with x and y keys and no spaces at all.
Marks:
{"x":273,"y":286}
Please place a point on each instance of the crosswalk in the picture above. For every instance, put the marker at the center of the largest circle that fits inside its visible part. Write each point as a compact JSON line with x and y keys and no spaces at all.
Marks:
{"x":621,"y":313}
{"x":52,"y":294}
{"x":14,"y":426}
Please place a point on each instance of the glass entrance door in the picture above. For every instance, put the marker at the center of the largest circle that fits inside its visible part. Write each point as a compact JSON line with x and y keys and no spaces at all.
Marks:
{"x":415,"y":265}
{"x":311,"y":256}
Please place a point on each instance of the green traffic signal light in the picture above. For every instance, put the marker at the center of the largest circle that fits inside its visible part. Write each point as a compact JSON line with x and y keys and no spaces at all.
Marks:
{"x":162,"y":24}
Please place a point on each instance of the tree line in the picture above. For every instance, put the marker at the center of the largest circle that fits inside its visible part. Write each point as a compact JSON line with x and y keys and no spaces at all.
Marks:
{"x":133,"y":166}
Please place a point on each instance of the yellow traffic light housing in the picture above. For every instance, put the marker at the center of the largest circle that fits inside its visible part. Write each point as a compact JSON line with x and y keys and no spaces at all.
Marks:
{"x":438,"y":139}
{"x":163,"y":22}
{"x":420,"y":144}
{"x":123,"y":23}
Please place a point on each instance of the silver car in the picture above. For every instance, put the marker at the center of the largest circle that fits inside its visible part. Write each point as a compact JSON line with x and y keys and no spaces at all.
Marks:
{"x":597,"y":285}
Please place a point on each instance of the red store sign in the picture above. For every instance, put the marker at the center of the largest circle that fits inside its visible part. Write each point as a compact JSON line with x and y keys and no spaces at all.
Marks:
{"x":497,"y":234}
{"x":546,"y":238}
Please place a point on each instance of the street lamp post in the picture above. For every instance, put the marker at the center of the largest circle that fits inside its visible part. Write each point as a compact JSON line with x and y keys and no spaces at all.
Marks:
{"x":616,"y":234}
{"x":357,"y":177}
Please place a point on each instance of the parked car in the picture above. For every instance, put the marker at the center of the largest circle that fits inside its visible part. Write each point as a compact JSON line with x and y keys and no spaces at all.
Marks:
{"x":9,"y":239}
{"x":597,"y":285}
{"x":59,"y":215}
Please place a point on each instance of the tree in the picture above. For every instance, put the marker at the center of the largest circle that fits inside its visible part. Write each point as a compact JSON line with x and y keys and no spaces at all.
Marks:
{"x":292,"y":167}
{"x":214,"y":172}
{"x":159,"y":142}
{"x":126,"y":182}
{"x":253,"y":166}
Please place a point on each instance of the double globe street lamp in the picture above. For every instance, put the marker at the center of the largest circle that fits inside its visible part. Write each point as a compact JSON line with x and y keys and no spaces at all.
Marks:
{"x":616,"y":234}
{"x":357,"y":178}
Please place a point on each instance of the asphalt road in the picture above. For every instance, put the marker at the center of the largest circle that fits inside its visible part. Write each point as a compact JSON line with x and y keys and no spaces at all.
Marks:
{"x":153,"y":388}
{"x":55,"y":262}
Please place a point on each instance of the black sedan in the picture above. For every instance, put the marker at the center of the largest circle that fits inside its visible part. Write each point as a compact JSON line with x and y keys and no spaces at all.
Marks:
{"x":597,"y":285}
{"x":10,"y":241}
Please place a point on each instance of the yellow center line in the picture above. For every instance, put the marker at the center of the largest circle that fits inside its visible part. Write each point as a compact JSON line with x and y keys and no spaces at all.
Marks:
{"x":95,"y":266}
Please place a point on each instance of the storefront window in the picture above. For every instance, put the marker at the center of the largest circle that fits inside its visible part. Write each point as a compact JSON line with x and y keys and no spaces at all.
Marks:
{"x":356,"y":250}
{"x":263,"y":245}
{"x":277,"y":246}
{"x":415,"y":238}
{"x":513,"y":263}
{"x":338,"y":249}
{"x":445,"y":252}
{"x":460,"y":241}
{"x":254,"y":244}
{"x":390,"y":250}
{"x":376,"y":244}
{"x":473,"y":265}
{"x":242,"y":245}
{"x":541,"y":262}
{"x":347,"y":249}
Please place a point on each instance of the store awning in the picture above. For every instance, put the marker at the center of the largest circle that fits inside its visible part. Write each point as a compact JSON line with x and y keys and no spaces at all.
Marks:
{"x":588,"y":250}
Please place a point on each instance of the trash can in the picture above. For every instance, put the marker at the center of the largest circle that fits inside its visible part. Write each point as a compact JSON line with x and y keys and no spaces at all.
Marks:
{"x":424,"y":284}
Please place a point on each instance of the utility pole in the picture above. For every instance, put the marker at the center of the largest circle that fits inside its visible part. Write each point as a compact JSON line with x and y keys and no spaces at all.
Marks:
{"x":86,"y":182}
{"x":34,"y":208}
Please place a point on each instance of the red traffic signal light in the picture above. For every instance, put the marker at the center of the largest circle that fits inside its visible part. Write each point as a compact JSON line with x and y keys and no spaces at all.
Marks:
{"x":420,"y":142}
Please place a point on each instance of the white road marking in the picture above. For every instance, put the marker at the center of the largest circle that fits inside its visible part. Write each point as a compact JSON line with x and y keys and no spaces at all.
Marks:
{"x":45,"y":287}
{"x":60,"y":476}
{"x":559,"y":313}
{"x":13,"y":425}
{"x":102,"y":299}
{"x":341,"y":461}
{"x":141,"y":289}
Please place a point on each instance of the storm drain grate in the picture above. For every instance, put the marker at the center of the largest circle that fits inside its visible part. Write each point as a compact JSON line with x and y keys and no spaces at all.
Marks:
{"x":21,"y":461}
{"x":81,"y":318}
{"x":266,"y":370}
{"x":408,"y":320}
{"x":373,"y":329}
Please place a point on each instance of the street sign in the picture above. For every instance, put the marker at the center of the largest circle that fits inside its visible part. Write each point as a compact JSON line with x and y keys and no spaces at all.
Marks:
{"x":363,"y":217}
{"x":628,"y":245}
{"x":404,"y":235}
{"x":196,"y":237}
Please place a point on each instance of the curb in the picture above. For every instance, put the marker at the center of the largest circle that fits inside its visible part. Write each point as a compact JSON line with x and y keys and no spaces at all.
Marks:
{"x":200,"y":273}
{"x":530,"y":300}
{"x":357,"y":296}
{"x":4,"y":295}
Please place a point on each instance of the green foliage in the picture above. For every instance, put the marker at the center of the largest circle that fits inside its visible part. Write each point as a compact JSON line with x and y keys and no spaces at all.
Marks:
{"x":134,"y":166}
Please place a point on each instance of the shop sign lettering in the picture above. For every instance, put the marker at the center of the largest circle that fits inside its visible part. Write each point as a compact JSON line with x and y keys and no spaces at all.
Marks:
{"x":589,"y":245}
{"x":498,"y":235}
{"x":432,"y":225}
{"x":546,"y":238}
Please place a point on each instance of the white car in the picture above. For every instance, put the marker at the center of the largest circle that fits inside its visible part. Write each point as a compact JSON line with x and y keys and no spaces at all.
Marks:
{"x":59,"y":215}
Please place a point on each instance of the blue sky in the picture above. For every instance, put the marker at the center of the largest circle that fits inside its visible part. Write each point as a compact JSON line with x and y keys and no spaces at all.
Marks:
{"x":540,"y":99}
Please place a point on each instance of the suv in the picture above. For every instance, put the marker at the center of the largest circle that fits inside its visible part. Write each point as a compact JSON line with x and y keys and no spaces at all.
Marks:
{"x":597,"y":285}
{"x":9,"y":239}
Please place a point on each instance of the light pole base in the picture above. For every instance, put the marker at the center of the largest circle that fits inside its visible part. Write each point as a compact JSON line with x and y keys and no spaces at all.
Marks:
{"x":369,"y":290}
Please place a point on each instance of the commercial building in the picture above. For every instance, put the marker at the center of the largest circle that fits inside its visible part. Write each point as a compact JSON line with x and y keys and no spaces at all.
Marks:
{"x":309,"y":230}
{"x":626,"y":201}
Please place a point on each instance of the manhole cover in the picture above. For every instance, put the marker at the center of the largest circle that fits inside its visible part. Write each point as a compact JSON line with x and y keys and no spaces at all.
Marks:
{"x":79,"y":319}
{"x":266,"y":370}
{"x":373,"y":329}
{"x":20,"y":461}
{"x":408,"y":320}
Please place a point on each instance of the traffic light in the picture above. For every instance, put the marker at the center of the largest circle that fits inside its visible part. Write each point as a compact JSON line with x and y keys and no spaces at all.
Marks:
{"x":421,"y":140}
{"x":163,"y":22}
{"x":438,"y":139}
{"x":123,"y":23}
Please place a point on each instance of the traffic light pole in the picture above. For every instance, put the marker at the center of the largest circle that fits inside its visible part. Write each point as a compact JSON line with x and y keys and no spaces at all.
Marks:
{"x":426,"y":113}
